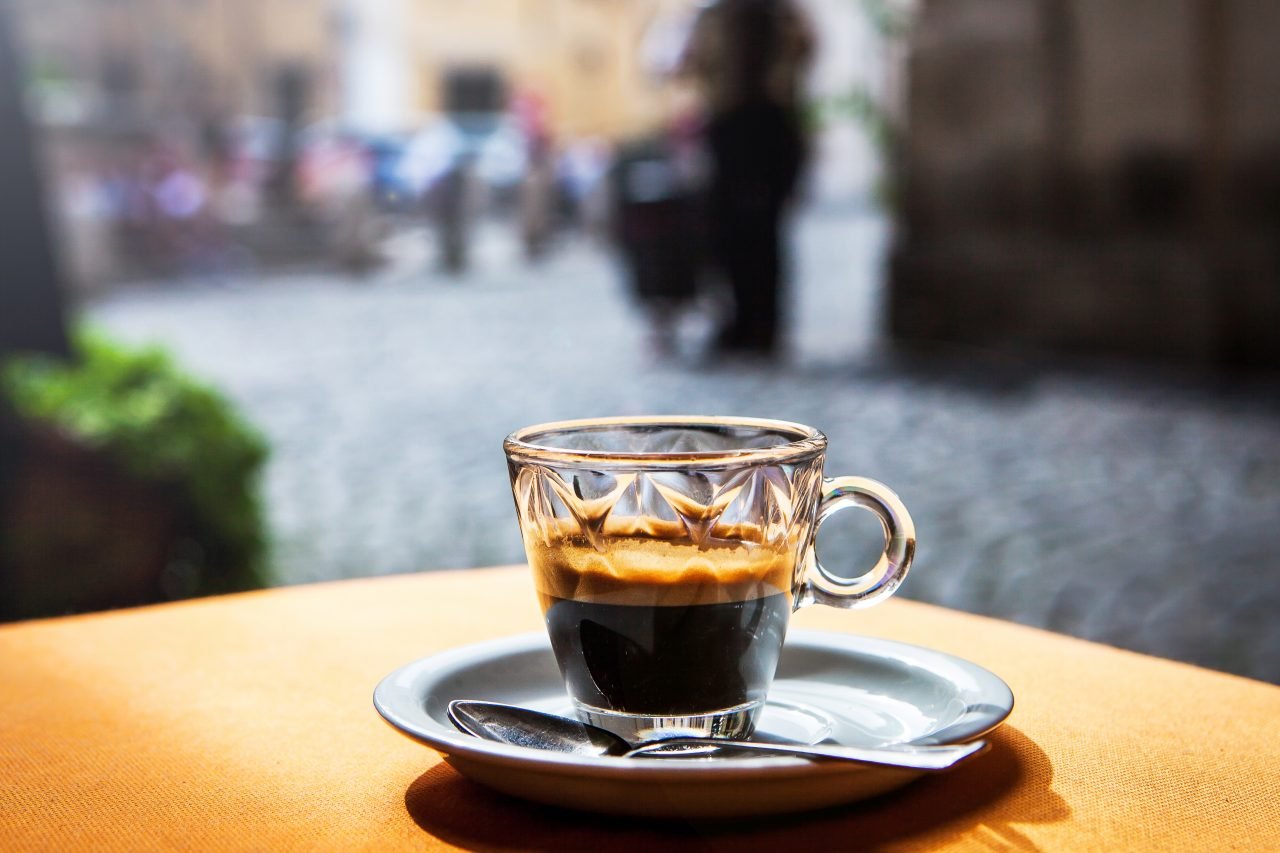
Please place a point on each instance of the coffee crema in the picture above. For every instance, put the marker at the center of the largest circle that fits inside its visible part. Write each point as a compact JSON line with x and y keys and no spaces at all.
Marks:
{"x":659,"y":565}
{"x":662,"y":626}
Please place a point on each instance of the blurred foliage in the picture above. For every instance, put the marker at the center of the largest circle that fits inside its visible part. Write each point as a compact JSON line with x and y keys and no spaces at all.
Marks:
{"x":860,"y":105}
{"x":163,"y":427}
{"x":891,"y":18}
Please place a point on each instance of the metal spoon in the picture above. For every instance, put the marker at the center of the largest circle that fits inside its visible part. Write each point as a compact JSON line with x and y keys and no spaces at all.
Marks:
{"x":524,"y":727}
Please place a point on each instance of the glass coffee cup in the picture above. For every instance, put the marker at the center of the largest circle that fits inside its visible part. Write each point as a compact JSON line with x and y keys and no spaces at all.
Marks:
{"x":668,"y":554}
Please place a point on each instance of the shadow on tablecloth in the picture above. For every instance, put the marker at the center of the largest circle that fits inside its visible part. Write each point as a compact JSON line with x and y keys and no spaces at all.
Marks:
{"x":1009,"y":785}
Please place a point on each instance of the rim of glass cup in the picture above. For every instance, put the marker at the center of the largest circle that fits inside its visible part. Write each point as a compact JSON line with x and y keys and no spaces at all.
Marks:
{"x":806,"y":443}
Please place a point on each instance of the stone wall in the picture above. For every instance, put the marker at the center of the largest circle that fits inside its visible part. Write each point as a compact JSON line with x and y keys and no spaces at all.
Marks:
{"x":1093,"y":175}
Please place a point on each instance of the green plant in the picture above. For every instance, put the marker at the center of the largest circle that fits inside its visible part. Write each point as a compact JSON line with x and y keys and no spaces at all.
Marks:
{"x":164,"y":427}
{"x":892,"y":21}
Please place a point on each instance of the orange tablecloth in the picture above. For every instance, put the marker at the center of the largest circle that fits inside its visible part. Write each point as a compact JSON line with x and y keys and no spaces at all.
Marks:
{"x":245,"y":722}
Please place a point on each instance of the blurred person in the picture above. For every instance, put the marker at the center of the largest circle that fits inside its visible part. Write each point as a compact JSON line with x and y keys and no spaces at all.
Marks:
{"x":335,"y":184}
{"x":539,"y":183}
{"x":583,"y":165}
{"x":87,"y":217}
{"x":172,"y":201}
{"x":539,"y":192}
{"x":450,"y":203}
{"x":129,"y":205}
{"x":179,"y":193}
{"x":749,"y":58}
{"x":187,"y":230}
{"x":656,"y":187}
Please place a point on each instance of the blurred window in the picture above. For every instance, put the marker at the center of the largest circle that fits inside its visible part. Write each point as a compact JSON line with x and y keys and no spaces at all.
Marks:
{"x":120,"y":78}
{"x":474,"y":90}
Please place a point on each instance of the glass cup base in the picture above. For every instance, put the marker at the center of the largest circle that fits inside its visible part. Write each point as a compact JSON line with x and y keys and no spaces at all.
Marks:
{"x":734,"y":723}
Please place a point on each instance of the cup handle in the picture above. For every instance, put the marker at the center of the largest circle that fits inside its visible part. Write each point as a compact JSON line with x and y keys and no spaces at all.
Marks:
{"x":820,"y":586}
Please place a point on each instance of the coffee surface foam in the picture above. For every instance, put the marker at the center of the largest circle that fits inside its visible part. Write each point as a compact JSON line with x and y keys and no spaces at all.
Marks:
{"x":666,"y":569}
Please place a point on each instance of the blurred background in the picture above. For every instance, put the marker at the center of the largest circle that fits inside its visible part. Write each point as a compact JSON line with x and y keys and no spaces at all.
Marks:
{"x":279,"y":276}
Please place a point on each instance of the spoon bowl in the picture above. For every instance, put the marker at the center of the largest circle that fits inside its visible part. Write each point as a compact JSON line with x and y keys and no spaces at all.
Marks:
{"x":537,"y":730}
{"x":534,"y":729}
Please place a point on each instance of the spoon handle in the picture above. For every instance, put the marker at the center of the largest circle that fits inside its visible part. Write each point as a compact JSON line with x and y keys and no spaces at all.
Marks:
{"x":907,"y":756}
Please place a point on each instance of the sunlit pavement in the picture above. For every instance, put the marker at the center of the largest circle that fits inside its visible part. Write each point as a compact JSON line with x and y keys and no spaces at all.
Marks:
{"x":1133,"y":507}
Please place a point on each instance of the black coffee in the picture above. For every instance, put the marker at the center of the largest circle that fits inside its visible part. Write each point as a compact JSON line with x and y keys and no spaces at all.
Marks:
{"x":653,"y":624}
{"x":660,"y":660}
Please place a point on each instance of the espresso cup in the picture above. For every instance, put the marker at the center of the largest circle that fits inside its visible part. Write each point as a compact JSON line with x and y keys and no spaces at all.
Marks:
{"x":668,"y":554}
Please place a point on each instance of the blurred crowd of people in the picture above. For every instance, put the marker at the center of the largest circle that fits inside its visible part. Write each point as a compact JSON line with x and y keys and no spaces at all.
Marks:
{"x":190,"y":203}
{"x":695,"y":207}
{"x":164,"y":204}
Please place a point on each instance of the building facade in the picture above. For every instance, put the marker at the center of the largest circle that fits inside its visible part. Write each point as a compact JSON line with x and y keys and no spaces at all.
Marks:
{"x":1088,"y":175}
{"x":583,"y":63}
{"x":138,"y":62}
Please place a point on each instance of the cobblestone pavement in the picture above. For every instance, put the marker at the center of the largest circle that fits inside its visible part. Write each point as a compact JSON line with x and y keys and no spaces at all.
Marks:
{"x":1135,"y":508}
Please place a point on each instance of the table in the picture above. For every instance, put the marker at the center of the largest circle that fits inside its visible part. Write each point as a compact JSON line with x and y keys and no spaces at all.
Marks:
{"x":245,"y":722}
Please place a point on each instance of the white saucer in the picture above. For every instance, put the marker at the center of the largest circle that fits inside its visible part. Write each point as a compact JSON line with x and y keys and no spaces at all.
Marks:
{"x":834,"y":688}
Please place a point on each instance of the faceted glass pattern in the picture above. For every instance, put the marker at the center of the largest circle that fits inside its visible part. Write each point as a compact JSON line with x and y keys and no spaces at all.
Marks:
{"x":711,"y":505}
